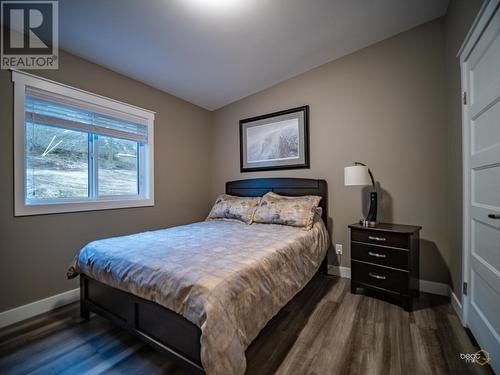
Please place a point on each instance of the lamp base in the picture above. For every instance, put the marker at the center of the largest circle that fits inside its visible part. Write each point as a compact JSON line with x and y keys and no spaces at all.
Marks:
{"x":372,"y":212}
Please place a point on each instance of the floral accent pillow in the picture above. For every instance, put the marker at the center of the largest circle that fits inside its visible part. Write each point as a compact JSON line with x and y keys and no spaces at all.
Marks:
{"x":293,"y":211}
{"x":229,"y":207}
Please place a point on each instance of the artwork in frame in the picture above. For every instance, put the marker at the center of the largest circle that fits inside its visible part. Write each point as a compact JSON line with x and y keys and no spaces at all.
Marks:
{"x":278,"y":140}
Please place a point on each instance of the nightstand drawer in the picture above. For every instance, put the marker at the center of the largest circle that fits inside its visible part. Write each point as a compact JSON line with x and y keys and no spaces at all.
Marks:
{"x":380,"y":238}
{"x":380,"y":277}
{"x":380,"y":255}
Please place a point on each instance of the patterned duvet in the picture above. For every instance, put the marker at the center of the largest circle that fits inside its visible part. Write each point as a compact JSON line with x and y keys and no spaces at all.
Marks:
{"x":226,"y":277}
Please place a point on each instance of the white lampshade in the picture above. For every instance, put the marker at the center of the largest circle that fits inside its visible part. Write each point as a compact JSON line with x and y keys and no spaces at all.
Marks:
{"x":356,"y":175}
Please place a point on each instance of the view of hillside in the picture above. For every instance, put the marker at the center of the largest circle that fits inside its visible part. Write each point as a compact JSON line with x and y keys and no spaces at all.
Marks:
{"x":57,"y":164}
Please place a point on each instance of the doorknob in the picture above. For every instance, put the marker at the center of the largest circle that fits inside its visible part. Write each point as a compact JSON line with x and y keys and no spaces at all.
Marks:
{"x":494,"y":216}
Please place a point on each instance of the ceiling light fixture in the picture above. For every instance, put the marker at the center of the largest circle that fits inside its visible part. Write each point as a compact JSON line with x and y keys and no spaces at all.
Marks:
{"x":220,"y":6}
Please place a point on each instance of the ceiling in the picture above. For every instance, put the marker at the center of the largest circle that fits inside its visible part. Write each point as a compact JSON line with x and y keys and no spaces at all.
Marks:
{"x":214,"y":52}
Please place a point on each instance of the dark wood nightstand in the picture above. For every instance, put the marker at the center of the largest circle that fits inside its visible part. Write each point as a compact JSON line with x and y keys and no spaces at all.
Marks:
{"x":385,"y":258}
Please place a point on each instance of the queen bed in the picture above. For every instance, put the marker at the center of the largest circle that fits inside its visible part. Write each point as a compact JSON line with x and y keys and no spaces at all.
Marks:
{"x":202,"y":292}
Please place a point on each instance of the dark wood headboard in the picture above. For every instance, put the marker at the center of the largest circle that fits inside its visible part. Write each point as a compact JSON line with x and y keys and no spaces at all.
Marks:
{"x":257,"y":187}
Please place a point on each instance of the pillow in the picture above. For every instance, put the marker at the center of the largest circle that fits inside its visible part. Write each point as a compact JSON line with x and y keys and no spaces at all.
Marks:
{"x":229,"y":207}
{"x":293,"y":211}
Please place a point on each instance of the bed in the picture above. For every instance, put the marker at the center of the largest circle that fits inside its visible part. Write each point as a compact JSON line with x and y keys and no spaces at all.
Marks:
{"x":208,"y":302}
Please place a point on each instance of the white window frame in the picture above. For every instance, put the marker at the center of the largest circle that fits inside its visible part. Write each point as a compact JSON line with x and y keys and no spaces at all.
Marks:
{"x":89,"y":100}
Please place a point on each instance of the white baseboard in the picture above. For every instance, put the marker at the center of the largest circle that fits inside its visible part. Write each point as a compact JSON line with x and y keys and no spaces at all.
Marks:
{"x":457,"y":306}
{"x":38,"y":307}
{"x":431,"y":287}
{"x":344,"y":272}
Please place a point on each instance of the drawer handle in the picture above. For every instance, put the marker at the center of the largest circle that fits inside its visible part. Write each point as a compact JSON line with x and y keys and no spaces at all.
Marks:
{"x":494,"y":216}
{"x":377,"y":238}
{"x":377,"y":255}
{"x":375,"y":276}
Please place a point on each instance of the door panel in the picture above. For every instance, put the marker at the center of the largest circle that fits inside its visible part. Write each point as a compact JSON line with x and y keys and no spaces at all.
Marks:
{"x":488,"y":156}
{"x":483,"y":295}
{"x":487,"y":63}
{"x":484,"y":60}
{"x":485,"y":131}
{"x":484,"y":333}
{"x":487,"y":243}
{"x":486,"y":186}
{"x":487,"y":274}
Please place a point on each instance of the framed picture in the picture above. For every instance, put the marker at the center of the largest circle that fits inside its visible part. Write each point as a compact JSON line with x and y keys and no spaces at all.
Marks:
{"x":275,"y":141}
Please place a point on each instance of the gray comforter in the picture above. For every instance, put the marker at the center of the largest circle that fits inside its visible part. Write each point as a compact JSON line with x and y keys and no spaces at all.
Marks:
{"x":226,"y":277}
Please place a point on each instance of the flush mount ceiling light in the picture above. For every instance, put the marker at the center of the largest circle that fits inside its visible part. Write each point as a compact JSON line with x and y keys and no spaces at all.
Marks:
{"x":219,"y":6}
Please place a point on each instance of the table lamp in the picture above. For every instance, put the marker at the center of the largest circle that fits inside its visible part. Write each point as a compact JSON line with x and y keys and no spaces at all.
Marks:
{"x":360,"y":175}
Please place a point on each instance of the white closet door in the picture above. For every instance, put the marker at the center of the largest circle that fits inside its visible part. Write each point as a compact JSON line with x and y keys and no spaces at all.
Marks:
{"x":481,"y":72}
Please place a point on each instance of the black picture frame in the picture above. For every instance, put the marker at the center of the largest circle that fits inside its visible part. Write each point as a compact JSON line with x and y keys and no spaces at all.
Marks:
{"x":302,"y":114}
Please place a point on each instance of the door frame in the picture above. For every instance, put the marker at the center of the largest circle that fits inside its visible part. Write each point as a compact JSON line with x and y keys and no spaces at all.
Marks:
{"x":480,"y":23}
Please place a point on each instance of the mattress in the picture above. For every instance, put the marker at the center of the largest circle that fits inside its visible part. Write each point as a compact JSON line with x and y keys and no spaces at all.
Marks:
{"x":227,"y":278}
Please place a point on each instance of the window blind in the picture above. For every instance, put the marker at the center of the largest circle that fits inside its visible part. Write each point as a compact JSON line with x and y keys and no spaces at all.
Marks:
{"x":55,"y":112}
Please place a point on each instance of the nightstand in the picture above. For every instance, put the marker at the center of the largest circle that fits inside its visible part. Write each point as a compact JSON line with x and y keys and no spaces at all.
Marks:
{"x":385,"y":258}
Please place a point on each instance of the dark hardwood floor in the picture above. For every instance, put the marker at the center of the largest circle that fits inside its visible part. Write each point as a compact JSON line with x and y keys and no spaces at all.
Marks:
{"x":325,"y":330}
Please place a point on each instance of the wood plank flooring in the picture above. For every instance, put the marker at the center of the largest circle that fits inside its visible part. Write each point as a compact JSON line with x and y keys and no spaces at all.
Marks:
{"x":324,"y":330}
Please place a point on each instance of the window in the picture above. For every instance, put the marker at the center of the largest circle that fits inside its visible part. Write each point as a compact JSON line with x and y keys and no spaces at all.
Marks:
{"x":77,"y":151}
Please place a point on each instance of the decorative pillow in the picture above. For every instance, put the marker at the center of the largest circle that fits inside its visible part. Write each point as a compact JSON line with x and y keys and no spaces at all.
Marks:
{"x":293,"y":211}
{"x":229,"y":207}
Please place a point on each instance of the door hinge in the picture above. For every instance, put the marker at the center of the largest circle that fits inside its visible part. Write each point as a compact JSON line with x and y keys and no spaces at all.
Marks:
{"x":464,"y":289}
{"x":465,"y":98}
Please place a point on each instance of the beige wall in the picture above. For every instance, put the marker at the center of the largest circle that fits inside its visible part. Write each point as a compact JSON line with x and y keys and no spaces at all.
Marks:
{"x":384,"y":105}
{"x":35,"y":251}
{"x":459,"y":18}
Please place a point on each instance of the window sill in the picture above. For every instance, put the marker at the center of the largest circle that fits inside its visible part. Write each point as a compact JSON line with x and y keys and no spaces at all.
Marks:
{"x":23,"y":209}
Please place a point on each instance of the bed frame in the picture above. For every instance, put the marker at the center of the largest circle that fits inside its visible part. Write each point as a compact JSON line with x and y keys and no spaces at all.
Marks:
{"x":162,"y":328}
